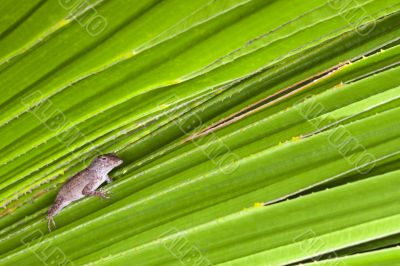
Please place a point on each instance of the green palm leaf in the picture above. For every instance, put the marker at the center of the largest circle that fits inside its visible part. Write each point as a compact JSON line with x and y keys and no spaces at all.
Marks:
{"x":253,"y":132}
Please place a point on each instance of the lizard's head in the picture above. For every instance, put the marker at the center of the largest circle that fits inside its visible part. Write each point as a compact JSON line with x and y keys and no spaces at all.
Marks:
{"x":107,"y":161}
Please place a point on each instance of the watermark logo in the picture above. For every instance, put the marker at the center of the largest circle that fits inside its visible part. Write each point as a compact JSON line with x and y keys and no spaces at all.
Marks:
{"x":312,"y":244}
{"x":86,"y":15}
{"x":56,"y":121}
{"x":214,"y":148}
{"x":364,"y":23}
{"x":181,"y":249}
{"x":46,"y":253}
{"x":339,"y":137}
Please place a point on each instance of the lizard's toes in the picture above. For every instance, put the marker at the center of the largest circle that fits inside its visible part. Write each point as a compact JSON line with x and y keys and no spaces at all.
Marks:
{"x":105,"y":195}
{"x":50,"y":221}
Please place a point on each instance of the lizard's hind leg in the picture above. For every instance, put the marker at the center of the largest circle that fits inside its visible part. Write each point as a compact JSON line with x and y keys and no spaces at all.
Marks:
{"x":57,"y":206}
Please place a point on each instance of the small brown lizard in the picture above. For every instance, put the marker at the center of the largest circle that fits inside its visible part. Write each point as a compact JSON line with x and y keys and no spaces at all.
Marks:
{"x":84,"y":184}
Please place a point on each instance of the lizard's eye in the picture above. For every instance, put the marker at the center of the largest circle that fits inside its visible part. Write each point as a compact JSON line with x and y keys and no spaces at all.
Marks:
{"x":103,"y":158}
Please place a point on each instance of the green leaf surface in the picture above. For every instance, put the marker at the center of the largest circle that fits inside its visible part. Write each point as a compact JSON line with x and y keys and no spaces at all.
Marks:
{"x":253,"y":132}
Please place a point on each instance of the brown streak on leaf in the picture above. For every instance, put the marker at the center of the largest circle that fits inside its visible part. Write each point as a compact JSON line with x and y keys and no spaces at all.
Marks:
{"x":268,"y":101}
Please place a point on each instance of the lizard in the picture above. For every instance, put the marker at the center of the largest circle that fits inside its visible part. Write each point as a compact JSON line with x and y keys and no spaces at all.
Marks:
{"x":84,"y":184}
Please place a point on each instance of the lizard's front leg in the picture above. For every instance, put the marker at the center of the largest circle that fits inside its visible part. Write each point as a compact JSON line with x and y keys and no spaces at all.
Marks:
{"x":108,"y":179}
{"x":88,"y":190}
